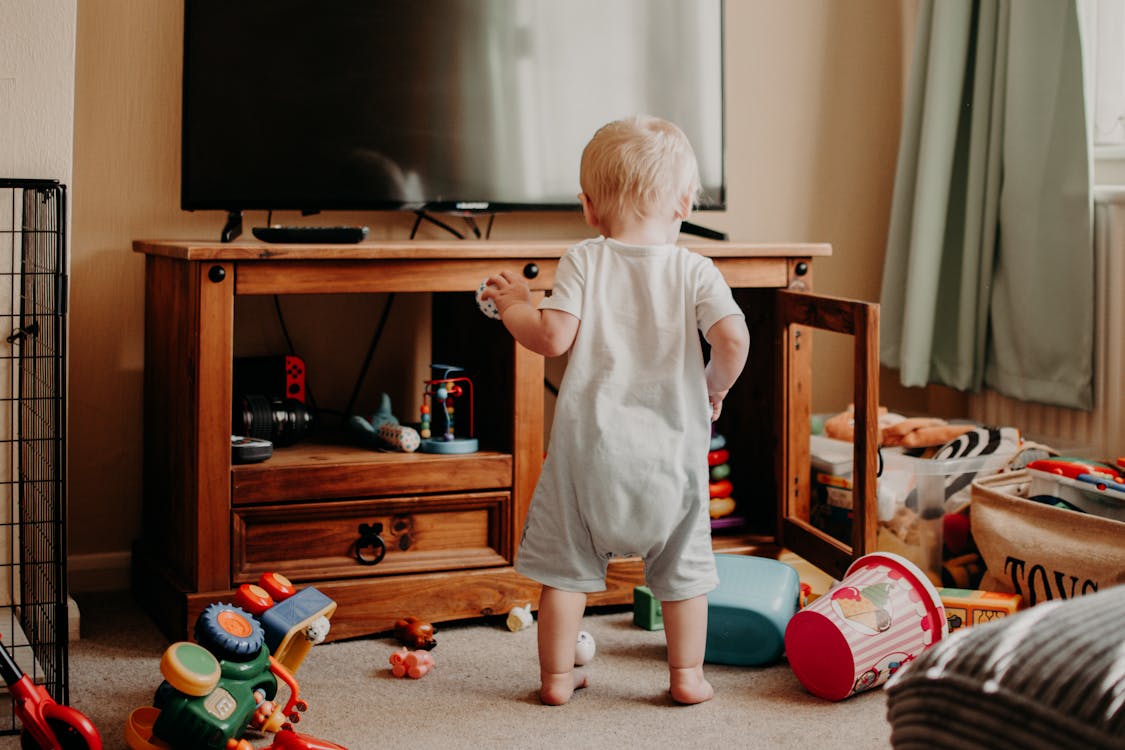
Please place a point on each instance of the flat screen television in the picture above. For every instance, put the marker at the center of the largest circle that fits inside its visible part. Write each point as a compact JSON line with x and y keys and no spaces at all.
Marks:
{"x":435,"y":105}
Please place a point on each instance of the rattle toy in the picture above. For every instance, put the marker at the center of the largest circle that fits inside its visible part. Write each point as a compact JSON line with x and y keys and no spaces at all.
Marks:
{"x":584,"y":649}
{"x":413,"y":664}
{"x":519,"y":618}
{"x":383,"y":430}
{"x":487,"y":306}
{"x":410,"y":631}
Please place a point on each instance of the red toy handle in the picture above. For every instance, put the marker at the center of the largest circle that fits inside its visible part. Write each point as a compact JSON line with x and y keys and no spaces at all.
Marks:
{"x":46,"y":723}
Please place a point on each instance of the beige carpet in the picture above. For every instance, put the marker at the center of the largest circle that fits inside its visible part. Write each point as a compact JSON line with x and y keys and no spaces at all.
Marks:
{"x":481,"y":694}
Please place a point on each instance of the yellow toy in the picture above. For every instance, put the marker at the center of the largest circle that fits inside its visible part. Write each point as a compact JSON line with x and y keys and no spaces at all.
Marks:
{"x":965,"y":607}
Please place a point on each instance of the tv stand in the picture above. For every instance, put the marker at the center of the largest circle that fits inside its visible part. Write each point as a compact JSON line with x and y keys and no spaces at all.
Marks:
{"x":451,"y":523}
{"x":701,"y":231}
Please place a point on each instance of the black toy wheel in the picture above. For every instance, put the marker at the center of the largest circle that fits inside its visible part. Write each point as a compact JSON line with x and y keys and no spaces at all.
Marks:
{"x":68,"y":737}
{"x":229,"y":632}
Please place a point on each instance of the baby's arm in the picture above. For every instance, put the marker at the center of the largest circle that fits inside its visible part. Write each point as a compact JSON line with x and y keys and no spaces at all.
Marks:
{"x":730,"y":344}
{"x":546,"y":332}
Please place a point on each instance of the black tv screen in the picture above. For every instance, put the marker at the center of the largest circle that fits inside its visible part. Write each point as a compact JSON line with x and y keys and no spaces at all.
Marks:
{"x":445,"y":105}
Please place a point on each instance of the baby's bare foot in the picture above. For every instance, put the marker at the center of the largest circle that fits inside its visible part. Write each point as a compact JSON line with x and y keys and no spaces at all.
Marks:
{"x":557,"y":688}
{"x":688,"y":685}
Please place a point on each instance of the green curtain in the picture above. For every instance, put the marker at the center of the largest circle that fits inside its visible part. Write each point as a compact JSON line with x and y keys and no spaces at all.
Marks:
{"x":988,"y":278}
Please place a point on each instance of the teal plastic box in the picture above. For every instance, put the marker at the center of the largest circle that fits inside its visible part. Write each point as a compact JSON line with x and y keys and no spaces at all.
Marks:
{"x":748,"y":613}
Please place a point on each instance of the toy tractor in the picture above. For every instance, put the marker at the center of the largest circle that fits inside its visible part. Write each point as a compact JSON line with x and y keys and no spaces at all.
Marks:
{"x":216,"y":689}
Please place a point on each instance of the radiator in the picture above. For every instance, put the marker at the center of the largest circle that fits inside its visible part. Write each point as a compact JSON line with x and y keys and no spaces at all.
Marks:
{"x":1099,"y":433}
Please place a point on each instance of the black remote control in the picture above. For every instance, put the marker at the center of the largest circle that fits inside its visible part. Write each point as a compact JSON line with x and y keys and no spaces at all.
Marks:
{"x":311,"y":235}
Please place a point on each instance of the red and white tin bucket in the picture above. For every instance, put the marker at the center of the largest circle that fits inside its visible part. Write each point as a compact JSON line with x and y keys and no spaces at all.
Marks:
{"x":880,"y":616}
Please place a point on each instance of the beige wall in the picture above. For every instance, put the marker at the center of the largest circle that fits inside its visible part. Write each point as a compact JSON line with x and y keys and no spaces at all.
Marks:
{"x":36,"y":134}
{"x":814,"y":91}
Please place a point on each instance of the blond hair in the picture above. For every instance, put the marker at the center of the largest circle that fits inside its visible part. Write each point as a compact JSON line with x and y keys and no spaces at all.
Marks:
{"x":640,"y":164}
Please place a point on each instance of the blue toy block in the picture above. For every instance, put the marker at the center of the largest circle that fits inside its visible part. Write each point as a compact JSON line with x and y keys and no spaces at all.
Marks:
{"x":748,"y":612}
{"x":647,"y":613}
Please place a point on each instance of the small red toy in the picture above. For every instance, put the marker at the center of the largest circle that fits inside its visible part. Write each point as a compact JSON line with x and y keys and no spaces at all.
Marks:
{"x":415,"y":664}
{"x":46,"y":724}
{"x":287,"y":739}
{"x":412,"y":632}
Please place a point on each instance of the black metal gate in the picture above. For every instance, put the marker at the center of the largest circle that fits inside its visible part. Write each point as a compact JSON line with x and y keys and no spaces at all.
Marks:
{"x":33,"y":301}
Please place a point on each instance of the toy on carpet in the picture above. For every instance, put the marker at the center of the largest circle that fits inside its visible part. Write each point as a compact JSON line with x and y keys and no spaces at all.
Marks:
{"x":383,"y":431}
{"x":438,"y":396}
{"x":45,"y":723}
{"x":415,"y":633}
{"x":519,"y":618}
{"x":880,"y":616}
{"x":413,"y":664}
{"x":964,"y":607}
{"x":585,"y":648}
{"x":293,"y":620}
{"x":287,"y":739}
{"x":805,"y":596}
{"x":228,"y":666}
{"x":647,"y":612}
{"x":748,"y":611}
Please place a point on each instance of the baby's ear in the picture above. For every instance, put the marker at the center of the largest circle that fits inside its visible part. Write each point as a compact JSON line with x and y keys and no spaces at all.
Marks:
{"x":588,"y":212}
{"x":683,"y":207}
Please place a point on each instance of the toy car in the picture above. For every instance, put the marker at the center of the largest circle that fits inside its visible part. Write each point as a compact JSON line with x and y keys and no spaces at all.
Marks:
{"x":215,"y":689}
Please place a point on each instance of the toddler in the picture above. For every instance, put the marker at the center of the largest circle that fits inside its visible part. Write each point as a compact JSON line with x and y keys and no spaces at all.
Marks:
{"x":626,"y":470}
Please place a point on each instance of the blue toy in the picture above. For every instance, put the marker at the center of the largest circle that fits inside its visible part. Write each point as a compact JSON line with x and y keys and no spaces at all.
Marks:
{"x":748,"y":613}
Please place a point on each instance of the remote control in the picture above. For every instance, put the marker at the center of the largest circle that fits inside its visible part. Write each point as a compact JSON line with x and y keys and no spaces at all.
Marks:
{"x":311,"y":235}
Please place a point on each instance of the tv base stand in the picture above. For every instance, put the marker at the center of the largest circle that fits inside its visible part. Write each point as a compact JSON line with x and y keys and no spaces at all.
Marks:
{"x":233,"y":228}
{"x":697,"y":230}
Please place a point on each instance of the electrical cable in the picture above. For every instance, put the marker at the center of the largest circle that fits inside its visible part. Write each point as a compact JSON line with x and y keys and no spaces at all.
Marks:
{"x":472,"y":224}
{"x":423,"y":216}
{"x":370,"y":353}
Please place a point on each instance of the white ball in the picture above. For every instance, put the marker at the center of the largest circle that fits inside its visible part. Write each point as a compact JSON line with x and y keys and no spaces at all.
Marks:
{"x":486,"y":306}
{"x":584,"y":649}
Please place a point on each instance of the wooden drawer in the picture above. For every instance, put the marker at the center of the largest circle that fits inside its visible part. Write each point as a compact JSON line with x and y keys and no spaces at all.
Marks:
{"x":322,"y":540}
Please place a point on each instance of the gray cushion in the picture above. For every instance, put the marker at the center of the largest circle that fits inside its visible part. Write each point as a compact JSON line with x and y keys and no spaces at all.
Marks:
{"x":1052,"y":676}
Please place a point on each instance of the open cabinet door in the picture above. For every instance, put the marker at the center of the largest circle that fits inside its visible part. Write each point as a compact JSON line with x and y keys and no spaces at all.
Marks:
{"x":797,"y":314}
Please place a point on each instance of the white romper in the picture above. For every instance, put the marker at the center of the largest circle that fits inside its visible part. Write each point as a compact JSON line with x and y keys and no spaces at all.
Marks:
{"x":626,"y":467}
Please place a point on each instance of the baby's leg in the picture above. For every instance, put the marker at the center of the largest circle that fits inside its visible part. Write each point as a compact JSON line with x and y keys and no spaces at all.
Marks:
{"x":560,"y":618}
{"x":685,"y":628}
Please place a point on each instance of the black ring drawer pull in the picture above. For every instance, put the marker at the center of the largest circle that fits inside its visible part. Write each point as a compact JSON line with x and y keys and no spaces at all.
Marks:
{"x":369,"y":539}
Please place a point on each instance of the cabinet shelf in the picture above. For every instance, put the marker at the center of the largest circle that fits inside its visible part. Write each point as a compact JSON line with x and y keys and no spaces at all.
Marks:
{"x":318,"y":469}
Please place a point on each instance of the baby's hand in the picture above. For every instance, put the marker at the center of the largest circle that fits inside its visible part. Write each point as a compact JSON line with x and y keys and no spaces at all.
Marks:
{"x":506,"y":290}
{"x":716,"y":402}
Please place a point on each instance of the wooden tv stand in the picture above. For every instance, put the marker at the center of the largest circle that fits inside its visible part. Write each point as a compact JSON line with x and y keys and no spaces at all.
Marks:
{"x":451,"y":524}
